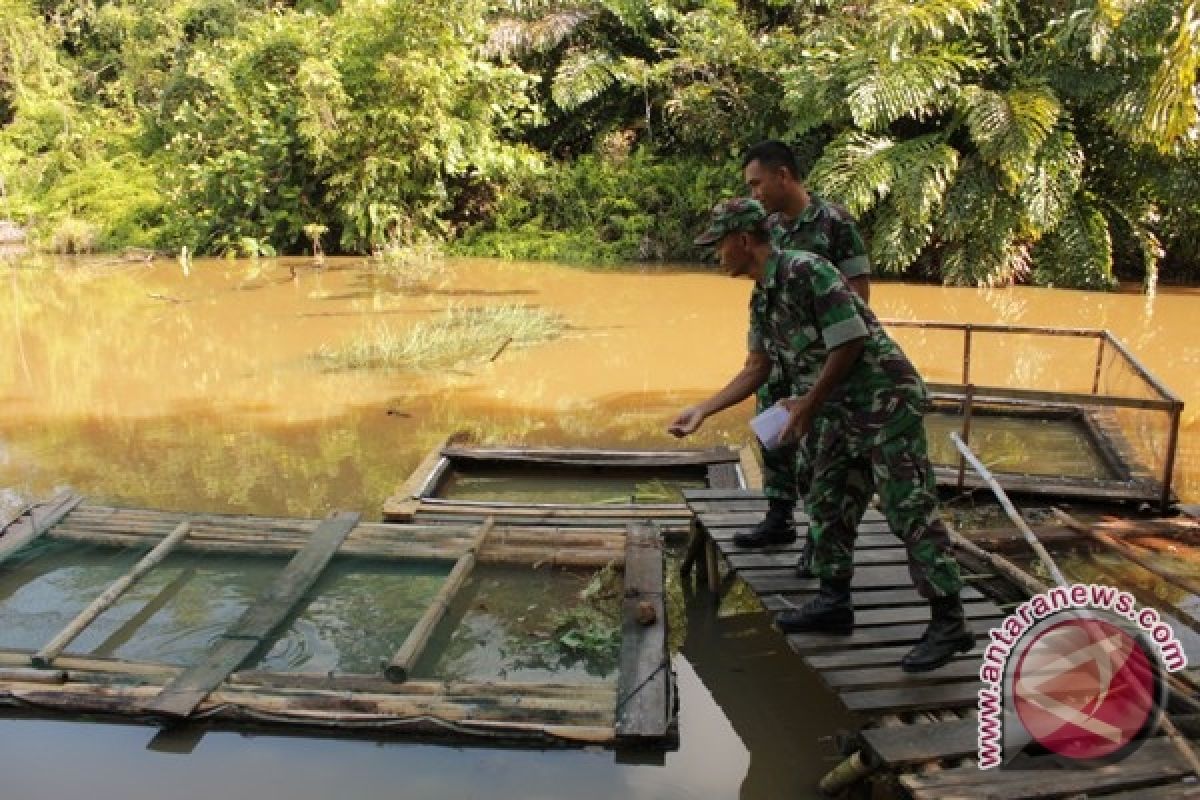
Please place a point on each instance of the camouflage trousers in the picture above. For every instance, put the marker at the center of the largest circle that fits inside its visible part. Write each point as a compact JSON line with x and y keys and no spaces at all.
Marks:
{"x":787,"y":470}
{"x":849,"y":467}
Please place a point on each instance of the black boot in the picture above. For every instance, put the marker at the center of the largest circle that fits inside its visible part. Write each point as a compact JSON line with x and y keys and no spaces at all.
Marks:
{"x":946,"y":636}
{"x":831,"y":611}
{"x":777,"y":527}
{"x":804,"y":564}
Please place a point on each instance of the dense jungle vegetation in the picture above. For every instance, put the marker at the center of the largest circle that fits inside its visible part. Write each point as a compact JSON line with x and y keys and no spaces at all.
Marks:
{"x":980,"y":141}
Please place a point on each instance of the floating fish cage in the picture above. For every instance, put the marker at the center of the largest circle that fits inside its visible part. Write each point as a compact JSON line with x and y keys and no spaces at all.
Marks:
{"x":563,"y":486}
{"x":320,"y":625}
{"x":1089,"y":421}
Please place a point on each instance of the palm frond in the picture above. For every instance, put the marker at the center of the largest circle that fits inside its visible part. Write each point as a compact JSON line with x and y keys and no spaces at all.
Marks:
{"x":1052,"y":181}
{"x":904,"y":222}
{"x":582,"y":77}
{"x":1010,"y":127}
{"x":916,"y":86}
{"x":1172,"y":115}
{"x":980,"y":228}
{"x":509,"y":37}
{"x":900,"y":22}
{"x":1079,"y":251}
{"x":859,"y":170}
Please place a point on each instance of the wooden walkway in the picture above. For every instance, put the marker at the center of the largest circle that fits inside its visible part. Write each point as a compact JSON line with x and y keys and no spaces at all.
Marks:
{"x":919,"y":728}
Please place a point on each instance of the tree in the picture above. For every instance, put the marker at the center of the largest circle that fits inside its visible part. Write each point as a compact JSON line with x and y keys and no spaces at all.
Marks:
{"x":970,"y":132}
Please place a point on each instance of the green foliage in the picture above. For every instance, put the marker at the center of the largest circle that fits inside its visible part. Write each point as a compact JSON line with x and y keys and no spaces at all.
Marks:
{"x":606,"y":210}
{"x":975,"y":139}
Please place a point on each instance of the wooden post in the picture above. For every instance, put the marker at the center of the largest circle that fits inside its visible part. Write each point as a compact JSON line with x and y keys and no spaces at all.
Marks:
{"x":1169,"y":466}
{"x":1099,"y":366}
{"x":966,"y":373}
{"x":402,"y":662}
{"x":644,"y":683}
{"x":44,"y":657}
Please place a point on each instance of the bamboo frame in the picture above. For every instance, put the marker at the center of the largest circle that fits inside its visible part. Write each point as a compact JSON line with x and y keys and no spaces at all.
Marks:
{"x":44,"y":657}
{"x":402,"y":662}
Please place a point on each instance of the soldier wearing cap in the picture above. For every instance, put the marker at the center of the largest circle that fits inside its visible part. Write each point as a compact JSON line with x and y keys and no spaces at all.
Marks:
{"x":799,"y":220}
{"x":854,"y":387}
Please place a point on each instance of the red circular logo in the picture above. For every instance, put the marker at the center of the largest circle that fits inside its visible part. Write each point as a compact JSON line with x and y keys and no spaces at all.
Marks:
{"x":1083,"y":688}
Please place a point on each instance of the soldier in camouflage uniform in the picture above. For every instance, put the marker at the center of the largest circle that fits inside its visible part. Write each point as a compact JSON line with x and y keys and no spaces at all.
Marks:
{"x":798,"y":221}
{"x":866,"y":403}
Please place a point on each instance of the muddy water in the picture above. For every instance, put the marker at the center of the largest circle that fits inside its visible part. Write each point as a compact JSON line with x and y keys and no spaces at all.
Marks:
{"x":143,"y":386}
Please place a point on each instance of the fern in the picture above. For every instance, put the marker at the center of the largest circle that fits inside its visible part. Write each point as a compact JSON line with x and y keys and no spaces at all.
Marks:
{"x":1171,"y":113}
{"x":1010,"y":127}
{"x":510,"y":37}
{"x":1052,"y":181}
{"x":583,"y":76}
{"x":902,"y":22}
{"x":860,"y":169}
{"x":918,"y":86}
{"x":1079,"y":251}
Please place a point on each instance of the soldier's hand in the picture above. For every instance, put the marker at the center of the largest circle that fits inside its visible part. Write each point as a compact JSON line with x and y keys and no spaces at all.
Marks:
{"x":800,"y":417}
{"x":687,"y":422}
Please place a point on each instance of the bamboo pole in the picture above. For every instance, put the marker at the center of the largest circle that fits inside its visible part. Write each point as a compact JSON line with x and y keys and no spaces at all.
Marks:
{"x":1123,"y":549}
{"x":1181,"y":744}
{"x":44,"y":657}
{"x":1011,"y":510}
{"x":404,"y":659}
{"x":17,"y":675}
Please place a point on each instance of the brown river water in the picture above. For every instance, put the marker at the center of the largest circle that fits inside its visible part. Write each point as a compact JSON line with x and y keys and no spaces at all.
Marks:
{"x":140,"y":385}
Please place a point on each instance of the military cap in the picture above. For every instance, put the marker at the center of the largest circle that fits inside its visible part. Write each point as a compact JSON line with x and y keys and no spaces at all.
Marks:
{"x":728,"y":216}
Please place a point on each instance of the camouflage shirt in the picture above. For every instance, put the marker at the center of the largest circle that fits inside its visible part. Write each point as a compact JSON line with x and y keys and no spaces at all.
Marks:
{"x":823,"y":228}
{"x":807,"y":311}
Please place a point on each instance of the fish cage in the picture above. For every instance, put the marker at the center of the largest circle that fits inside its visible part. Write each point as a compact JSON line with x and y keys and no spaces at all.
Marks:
{"x":1063,"y":412}
{"x":569,"y":487}
{"x":336,"y":625}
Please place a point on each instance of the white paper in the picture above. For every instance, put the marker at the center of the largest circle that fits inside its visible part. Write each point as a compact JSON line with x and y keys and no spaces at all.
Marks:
{"x":768,"y":426}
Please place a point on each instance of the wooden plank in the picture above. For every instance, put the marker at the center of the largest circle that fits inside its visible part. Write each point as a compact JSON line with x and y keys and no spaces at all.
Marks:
{"x":594,"y":458}
{"x":785,"y":580}
{"x":742,"y":559}
{"x":871,"y":541}
{"x":722,"y":494}
{"x":864,"y":598}
{"x":1155,"y":762}
{"x":889,"y":654}
{"x":914,"y":744}
{"x":1176,"y":790}
{"x":962,"y":693}
{"x":917,"y":612}
{"x":643,"y":685}
{"x":556,"y":510}
{"x":402,"y":662}
{"x":188,"y":689}
{"x":41,"y":518}
{"x":735,"y":519}
{"x":806,"y":643}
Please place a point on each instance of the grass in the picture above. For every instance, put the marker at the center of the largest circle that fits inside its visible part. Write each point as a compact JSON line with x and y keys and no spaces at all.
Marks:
{"x":457,"y":336}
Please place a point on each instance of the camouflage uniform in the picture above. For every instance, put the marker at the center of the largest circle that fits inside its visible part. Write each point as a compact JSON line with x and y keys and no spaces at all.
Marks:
{"x":829,"y":231}
{"x":870,"y":433}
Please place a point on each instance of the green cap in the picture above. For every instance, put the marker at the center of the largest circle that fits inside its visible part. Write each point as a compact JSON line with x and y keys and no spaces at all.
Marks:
{"x":728,"y":216}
